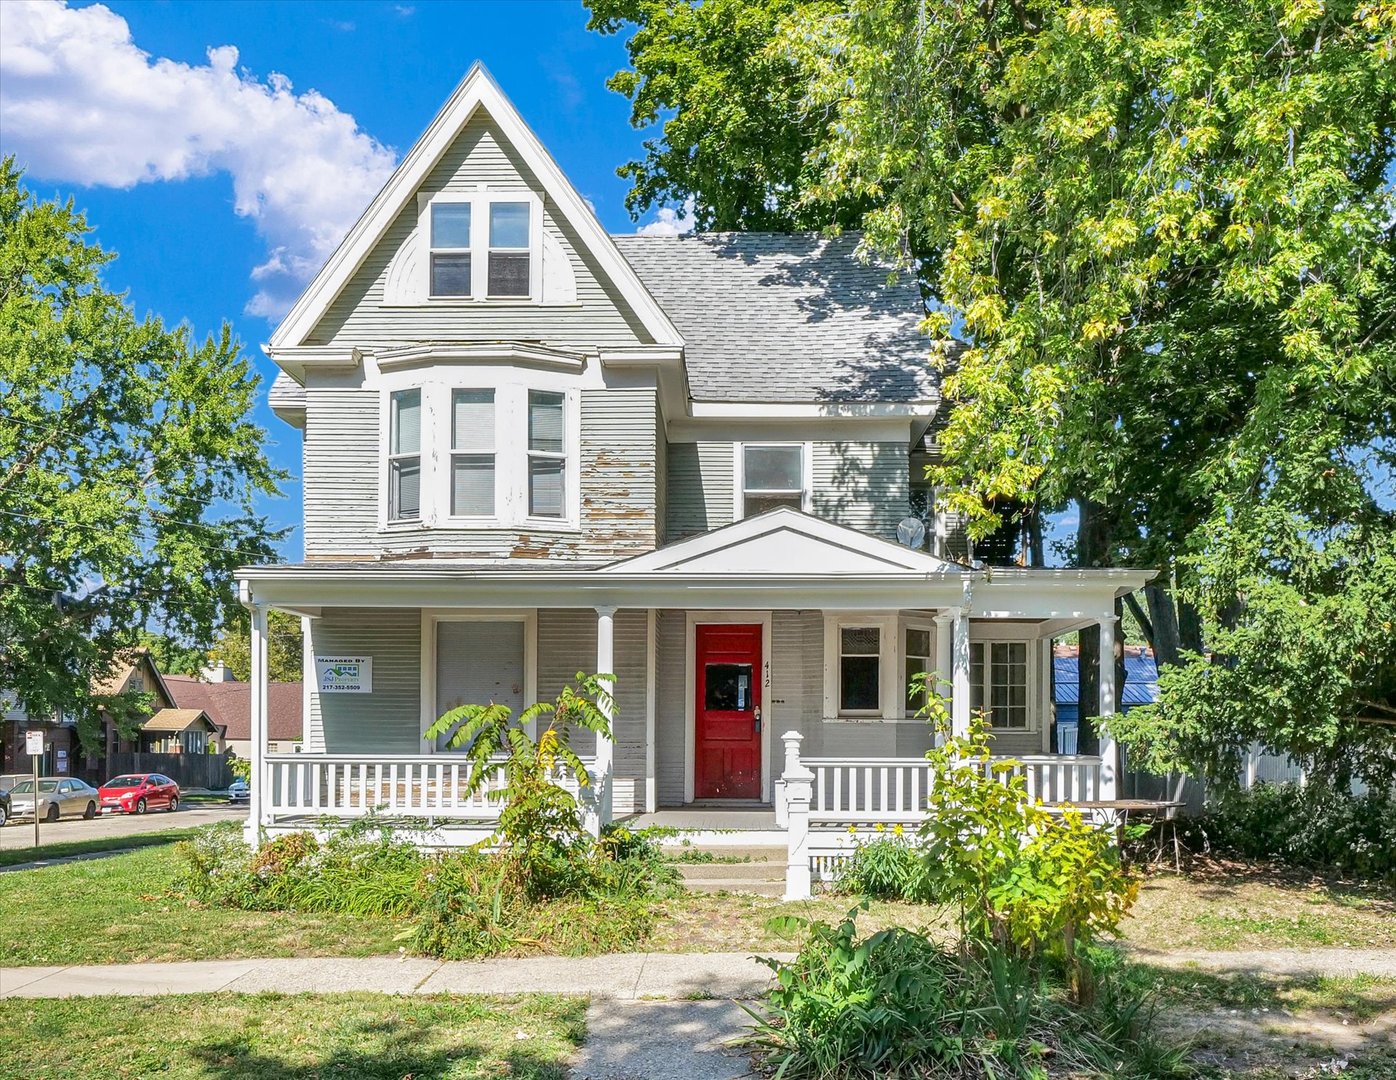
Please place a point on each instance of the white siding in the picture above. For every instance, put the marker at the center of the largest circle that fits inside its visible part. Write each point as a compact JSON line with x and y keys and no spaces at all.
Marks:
{"x":699,"y":498}
{"x":864,"y":486}
{"x":478,"y":156}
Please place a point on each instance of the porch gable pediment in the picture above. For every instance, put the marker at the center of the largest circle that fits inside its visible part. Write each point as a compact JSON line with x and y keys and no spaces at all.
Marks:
{"x":784,"y":541}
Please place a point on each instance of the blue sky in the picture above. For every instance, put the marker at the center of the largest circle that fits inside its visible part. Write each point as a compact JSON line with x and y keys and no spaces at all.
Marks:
{"x":194,"y":213}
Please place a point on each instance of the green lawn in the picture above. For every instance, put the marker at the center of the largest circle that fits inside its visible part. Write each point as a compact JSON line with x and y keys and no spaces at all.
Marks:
{"x":292,"y":1037}
{"x":123,"y":910}
{"x":61,"y":848}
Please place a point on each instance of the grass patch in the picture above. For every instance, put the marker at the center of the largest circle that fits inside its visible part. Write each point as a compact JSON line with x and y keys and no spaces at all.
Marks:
{"x":1355,"y":997}
{"x":124,"y":909}
{"x":63,"y":848}
{"x":294,"y":1037}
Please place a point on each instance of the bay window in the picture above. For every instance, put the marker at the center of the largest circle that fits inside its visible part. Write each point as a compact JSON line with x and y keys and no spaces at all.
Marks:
{"x":917,"y":654}
{"x":405,"y":456}
{"x":772,"y":475}
{"x":860,"y":670}
{"x":470,"y":457}
{"x":998,"y":682}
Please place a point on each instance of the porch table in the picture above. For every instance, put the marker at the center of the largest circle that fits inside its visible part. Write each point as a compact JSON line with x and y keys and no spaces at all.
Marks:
{"x":1163,"y":811}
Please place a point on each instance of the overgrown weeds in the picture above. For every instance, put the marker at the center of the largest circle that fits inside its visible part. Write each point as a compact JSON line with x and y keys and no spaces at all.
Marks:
{"x":590,"y":897}
{"x":896,"y":1004}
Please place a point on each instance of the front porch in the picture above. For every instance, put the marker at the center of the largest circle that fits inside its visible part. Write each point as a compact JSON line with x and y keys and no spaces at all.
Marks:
{"x":726,"y":651}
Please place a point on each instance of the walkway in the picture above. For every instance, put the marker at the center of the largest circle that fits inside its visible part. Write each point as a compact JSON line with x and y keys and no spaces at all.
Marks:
{"x":1277,"y":963}
{"x":621,"y":977}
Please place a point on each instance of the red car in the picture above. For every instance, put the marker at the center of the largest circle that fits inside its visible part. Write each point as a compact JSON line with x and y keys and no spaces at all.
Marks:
{"x":135,"y":793}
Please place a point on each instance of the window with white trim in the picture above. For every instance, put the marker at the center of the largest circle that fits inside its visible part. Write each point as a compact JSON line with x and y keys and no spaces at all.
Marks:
{"x":450,"y":262}
{"x":547,"y":455}
{"x":481,"y":245}
{"x":999,"y":682}
{"x":772,"y":475}
{"x":405,"y":455}
{"x":509,"y":250}
{"x":472,"y":452}
{"x":860,"y":670}
{"x":916,"y":641}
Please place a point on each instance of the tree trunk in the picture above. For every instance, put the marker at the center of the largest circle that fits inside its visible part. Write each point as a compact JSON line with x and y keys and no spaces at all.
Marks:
{"x":1163,"y":614}
{"x":1035,"y":548}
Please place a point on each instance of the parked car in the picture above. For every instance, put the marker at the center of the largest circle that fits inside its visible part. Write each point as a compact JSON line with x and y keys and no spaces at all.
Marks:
{"x":9,"y":780}
{"x":135,"y":793}
{"x":4,"y":807}
{"x":239,"y":791}
{"x":57,"y":795}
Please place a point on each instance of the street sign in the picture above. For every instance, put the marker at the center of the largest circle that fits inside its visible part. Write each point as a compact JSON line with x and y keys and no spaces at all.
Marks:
{"x":34,"y":743}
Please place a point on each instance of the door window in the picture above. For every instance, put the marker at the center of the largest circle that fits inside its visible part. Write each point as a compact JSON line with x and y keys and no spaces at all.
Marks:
{"x":728,"y":688}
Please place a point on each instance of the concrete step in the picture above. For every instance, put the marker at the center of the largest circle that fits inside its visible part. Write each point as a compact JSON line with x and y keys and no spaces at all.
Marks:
{"x":737,"y":885}
{"x":753,"y":871}
{"x":770,"y":853}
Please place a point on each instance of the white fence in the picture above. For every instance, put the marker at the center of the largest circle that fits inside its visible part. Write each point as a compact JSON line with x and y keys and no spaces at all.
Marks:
{"x":431,"y":786}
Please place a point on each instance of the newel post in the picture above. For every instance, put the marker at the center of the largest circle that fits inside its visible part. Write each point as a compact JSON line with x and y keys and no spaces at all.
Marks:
{"x":799,"y":791}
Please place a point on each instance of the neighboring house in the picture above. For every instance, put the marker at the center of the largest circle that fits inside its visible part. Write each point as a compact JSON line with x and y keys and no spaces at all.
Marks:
{"x":180,"y":731}
{"x":229,"y":704}
{"x":532,"y":449}
{"x":1140,"y":688}
{"x":60,"y":741}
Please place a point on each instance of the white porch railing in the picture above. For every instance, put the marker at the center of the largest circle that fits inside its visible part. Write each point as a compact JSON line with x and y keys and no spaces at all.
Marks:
{"x":824,"y":803}
{"x":431,"y":786}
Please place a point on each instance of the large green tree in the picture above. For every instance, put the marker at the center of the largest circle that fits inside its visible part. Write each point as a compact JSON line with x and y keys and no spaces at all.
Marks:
{"x":129,"y":467}
{"x":285,"y":661}
{"x":1165,"y":232}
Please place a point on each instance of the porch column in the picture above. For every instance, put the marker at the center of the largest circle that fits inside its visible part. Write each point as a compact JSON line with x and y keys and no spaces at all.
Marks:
{"x":945,"y":655}
{"x":1109,"y":751}
{"x":960,"y":697}
{"x":605,"y":747}
{"x":258,"y":724}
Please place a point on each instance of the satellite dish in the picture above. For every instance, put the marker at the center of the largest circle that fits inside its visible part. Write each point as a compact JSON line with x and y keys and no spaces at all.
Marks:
{"x":911,"y":532}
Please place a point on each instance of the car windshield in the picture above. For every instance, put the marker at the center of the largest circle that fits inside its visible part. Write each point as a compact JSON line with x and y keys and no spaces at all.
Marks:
{"x":27,"y":786}
{"x":125,"y":781}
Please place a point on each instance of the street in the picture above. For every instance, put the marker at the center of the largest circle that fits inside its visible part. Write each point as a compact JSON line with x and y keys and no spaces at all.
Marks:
{"x":20,"y":833}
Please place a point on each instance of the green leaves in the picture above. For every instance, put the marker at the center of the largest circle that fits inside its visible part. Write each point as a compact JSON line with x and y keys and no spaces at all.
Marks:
{"x":129,"y":470}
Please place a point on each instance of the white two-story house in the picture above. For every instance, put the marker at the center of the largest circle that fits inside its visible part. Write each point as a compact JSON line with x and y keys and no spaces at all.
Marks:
{"x":533,"y":449}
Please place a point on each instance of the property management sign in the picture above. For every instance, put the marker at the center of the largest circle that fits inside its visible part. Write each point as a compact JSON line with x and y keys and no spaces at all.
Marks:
{"x":344,"y":674}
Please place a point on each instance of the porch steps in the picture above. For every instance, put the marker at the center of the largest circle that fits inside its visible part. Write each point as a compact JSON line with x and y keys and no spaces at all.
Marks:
{"x":764,"y":875}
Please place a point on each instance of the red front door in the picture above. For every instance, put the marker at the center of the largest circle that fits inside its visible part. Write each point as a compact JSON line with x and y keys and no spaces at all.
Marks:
{"x":727,"y":713}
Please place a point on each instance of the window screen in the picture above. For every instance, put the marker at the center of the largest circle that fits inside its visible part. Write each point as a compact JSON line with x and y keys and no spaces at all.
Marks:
{"x":547,"y":459}
{"x":472,"y":453}
{"x":405,"y":456}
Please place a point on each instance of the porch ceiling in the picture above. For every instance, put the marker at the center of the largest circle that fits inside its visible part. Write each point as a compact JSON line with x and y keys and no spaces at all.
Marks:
{"x":997,"y":594}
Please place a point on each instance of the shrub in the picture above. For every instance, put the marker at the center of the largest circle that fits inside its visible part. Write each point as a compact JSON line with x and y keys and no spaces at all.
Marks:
{"x":1308,"y":828}
{"x":888,"y":867}
{"x":897,"y":1005}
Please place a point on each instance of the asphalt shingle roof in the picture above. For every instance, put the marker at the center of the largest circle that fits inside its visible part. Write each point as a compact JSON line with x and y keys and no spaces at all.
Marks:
{"x":787,"y":317}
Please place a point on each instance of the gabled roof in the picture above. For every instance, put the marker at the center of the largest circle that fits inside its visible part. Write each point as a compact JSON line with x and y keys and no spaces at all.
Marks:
{"x":786,"y":317}
{"x":477,"y":91}
{"x":123,"y":666}
{"x":177,"y":720}
{"x":783,"y":541}
{"x":230,"y":705}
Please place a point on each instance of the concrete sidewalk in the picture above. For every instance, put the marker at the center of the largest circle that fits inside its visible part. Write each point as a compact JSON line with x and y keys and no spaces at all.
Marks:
{"x":621,"y":976}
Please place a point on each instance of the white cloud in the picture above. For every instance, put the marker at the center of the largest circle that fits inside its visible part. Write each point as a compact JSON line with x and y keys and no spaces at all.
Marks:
{"x":670,"y":222}
{"x":81,"y":103}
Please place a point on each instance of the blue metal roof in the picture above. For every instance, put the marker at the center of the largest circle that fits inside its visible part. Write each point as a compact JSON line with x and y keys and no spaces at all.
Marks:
{"x":1141,"y":679}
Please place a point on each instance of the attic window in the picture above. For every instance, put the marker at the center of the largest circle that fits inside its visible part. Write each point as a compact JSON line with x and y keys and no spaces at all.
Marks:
{"x":481,"y":245}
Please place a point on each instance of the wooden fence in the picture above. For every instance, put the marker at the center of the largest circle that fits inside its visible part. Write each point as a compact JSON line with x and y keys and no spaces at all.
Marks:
{"x":187,"y":770}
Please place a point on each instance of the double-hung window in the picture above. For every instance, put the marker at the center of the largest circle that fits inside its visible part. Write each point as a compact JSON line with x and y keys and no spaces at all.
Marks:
{"x":772,"y":475}
{"x":472,"y":453}
{"x":450,"y":249}
{"x":998,"y":674}
{"x":509,"y":249}
{"x":860,"y":670}
{"x":917,"y":653}
{"x":405,"y":456}
{"x":547,"y":455}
